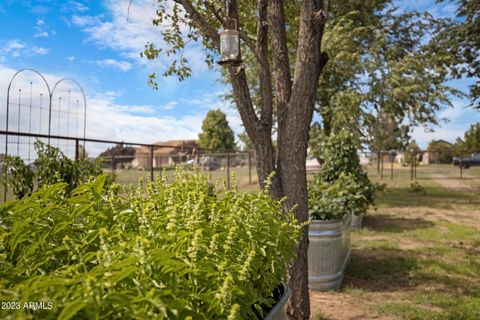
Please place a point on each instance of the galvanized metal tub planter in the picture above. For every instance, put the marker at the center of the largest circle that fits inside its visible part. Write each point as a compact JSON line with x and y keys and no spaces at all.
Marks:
{"x":278,"y":309}
{"x":357,"y":222}
{"x":328,"y":253}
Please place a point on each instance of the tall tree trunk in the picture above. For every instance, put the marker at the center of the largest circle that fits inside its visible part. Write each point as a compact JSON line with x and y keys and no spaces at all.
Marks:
{"x":294,"y":100}
{"x":294,"y":120}
{"x":291,"y":163}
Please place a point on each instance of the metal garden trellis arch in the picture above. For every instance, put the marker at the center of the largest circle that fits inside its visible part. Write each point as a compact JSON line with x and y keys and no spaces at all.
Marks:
{"x":84,"y":105}
{"x":51,"y":92}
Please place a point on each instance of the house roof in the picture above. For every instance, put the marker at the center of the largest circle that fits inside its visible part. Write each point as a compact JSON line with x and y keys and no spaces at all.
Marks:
{"x":169,"y":147}
{"x":443,"y":141}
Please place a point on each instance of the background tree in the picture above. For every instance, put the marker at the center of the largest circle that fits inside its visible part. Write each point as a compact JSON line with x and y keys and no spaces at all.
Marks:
{"x":440,"y":151}
{"x":412,"y":152}
{"x":216,"y":133}
{"x":470,"y":142}
{"x":289,"y":62}
{"x":247,"y":144}
{"x":385,"y":134}
{"x":462,"y":37}
{"x":118,"y":150}
{"x":382,"y":62}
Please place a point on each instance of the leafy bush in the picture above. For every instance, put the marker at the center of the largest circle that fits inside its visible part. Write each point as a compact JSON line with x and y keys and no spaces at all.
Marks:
{"x":52,"y":167}
{"x":416,"y":187}
{"x":19,"y":176}
{"x":341,"y":186}
{"x":333,"y":201}
{"x":174,"y":251}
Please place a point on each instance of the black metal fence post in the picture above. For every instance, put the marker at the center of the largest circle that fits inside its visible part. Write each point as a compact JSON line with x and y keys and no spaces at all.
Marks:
{"x":381,"y":165}
{"x":461,"y":169}
{"x":151,"y":162}
{"x":250,"y":167}
{"x":77,"y":149}
{"x":411,"y":166}
{"x":228,"y":170}
{"x":391,"y":167}
{"x":415,"y":165}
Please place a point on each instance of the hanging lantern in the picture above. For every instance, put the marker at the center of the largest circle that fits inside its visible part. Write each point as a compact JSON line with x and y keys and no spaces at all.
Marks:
{"x":230,"y":46}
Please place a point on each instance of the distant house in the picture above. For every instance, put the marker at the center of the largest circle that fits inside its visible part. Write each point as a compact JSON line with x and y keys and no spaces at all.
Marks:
{"x":439,"y":152}
{"x":166,"y":154}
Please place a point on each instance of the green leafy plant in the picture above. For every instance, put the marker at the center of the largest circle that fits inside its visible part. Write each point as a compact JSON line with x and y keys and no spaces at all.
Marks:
{"x":51,"y":167}
{"x":159,"y":251}
{"x":416,"y":187}
{"x":341,"y":156}
{"x":18,"y":176}
{"x":341,"y":186}
{"x":329,"y":201}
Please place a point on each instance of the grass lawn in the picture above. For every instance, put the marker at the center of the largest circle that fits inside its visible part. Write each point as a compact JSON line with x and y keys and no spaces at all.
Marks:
{"x":417,"y":257}
{"x":218,"y":176}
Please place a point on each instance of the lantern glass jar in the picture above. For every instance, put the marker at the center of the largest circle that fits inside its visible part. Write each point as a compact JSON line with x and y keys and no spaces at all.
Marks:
{"x":230,"y":46}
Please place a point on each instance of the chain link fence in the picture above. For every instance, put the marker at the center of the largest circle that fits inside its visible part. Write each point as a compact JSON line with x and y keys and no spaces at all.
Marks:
{"x":422,"y":164}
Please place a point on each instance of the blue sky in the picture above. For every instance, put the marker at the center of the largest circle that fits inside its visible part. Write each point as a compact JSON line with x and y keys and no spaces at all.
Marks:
{"x":94,"y":43}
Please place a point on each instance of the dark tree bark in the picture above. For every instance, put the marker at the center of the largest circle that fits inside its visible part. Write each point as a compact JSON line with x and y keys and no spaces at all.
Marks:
{"x":294,"y":101}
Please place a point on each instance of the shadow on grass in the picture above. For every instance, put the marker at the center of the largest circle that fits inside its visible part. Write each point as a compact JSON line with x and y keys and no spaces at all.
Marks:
{"x":433,"y":197}
{"x":387,"y":223}
{"x":388,"y":269}
{"x":380,"y":269}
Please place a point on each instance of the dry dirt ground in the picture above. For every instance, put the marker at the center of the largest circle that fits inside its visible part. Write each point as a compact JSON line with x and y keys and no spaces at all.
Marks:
{"x":337,"y":305}
{"x":449,"y":183}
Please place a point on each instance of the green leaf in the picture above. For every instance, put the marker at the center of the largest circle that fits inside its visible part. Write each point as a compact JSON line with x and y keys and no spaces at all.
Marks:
{"x":71,"y":309}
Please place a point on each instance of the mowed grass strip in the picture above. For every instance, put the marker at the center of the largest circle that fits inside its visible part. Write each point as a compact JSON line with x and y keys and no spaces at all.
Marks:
{"x":418,"y":256}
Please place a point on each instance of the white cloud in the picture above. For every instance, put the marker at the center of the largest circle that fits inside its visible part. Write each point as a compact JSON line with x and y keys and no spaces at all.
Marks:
{"x":127,"y":31}
{"x":170,"y":106}
{"x":41,"y":34}
{"x":71,"y":58}
{"x":86,"y":21}
{"x":17,"y":48}
{"x":39,"y":50}
{"x":115,"y":64}
{"x":40,"y":31}
{"x":13,"y":45}
{"x":76,"y":6}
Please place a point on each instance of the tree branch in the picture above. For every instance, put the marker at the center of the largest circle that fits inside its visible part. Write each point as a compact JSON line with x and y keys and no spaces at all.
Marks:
{"x":215,"y":12}
{"x":241,"y":93}
{"x":310,"y":59}
{"x":281,"y":62}
{"x":264,"y":65}
{"x":200,"y":22}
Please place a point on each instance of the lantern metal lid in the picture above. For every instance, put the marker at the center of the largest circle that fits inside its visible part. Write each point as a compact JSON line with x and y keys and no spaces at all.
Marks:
{"x":230,"y":46}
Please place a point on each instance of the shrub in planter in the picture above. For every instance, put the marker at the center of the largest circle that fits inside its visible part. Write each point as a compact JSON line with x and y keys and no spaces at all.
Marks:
{"x":174,"y":251}
{"x":331,"y":207}
{"x":332,"y":201}
{"x":341,"y":157}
